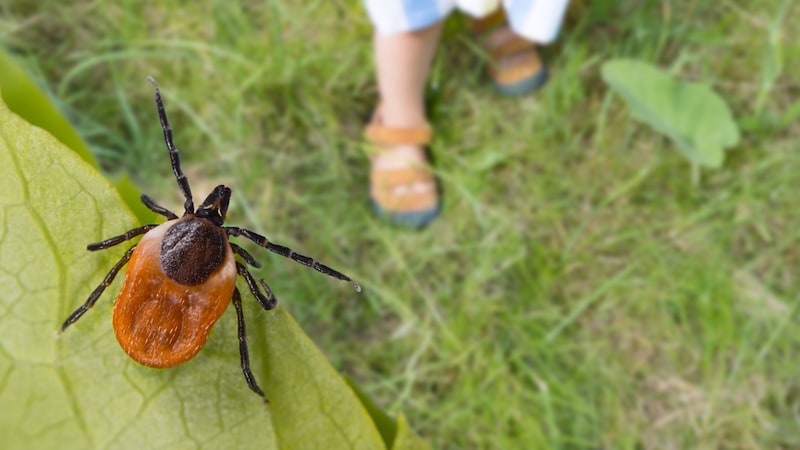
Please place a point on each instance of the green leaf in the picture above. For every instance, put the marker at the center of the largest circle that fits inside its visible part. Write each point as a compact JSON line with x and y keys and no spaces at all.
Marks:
{"x":312,"y":406}
{"x":396,"y":435}
{"x":697,"y":120}
{"x":405,"y":438}
{"x":25,"y":99}
{"x":386,"y":426}
{"x":81,"y":390}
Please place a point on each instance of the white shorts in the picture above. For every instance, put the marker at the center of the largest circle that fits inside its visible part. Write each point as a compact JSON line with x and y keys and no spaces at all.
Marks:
{"x":537,"y":20}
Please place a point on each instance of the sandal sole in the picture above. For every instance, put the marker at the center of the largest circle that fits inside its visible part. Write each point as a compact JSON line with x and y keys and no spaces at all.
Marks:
{"x":524,"y":86}
{"x":410,"y":219}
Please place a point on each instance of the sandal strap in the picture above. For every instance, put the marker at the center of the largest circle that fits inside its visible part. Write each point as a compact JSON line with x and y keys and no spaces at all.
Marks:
{"x":484,"y":27}
{"x":509,"y":47}
{"x":489,"y":22}
{"x":405,"y":175}
{"x":377,"y":133}
{"x":527,"y":66}
{"x":385,"y":181}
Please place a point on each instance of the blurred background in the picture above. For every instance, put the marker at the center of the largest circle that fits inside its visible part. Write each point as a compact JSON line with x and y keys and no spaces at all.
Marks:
{"x":582,"y":289}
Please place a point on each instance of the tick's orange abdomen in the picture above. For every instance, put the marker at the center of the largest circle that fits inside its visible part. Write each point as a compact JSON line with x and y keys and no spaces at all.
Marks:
{"x":160,"y":322}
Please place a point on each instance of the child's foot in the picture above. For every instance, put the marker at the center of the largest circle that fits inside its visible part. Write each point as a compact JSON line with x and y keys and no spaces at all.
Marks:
{"x":403,"y":188}
{"x":516,"y":68}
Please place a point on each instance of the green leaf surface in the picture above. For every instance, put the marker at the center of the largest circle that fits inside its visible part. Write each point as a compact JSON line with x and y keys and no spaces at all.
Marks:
{"x":697,"y":120}
{"x":405,"y":439}
{"x":80,"y":390}
{"x":386,"y":426}
{"x":397,"y":435}
{"x":25,"y":99}
{"x":312,"y":405}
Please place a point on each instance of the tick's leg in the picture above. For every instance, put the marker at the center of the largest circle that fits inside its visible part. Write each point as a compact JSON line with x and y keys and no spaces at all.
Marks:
{"x":110,"y":242}
{"x":248,"y":258}
{"x":287,"y":252}
{"x":266,"y":301}
{"x":98,"y":290}
{"x":245,"y":357}
{"x":174,"y":156}
{"x":156,"y":208}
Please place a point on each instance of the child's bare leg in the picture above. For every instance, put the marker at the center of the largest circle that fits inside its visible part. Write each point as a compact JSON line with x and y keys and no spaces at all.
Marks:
{"x":403,"y":62}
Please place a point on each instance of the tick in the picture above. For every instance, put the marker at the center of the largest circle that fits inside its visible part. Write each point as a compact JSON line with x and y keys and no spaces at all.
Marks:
{"x":181,"y":276}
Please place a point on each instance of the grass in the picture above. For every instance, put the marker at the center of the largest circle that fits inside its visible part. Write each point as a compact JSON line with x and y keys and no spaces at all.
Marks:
{"x":579,"y":290}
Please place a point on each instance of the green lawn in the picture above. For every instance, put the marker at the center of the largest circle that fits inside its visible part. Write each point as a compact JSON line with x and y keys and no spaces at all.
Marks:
{"x":580,"y":291}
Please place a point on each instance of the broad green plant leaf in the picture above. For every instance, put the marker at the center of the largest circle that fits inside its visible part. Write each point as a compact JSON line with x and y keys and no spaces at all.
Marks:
{"x":386,"y":426}
{"x":25,"y":99}
{"x":405,"y":439}
{"x":80,"y":390}
{"x":692,"y":115}
{"x":397,"y":435}
{"x":312,"y":406}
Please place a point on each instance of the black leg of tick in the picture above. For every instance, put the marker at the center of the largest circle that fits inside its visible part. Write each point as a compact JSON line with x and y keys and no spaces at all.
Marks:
{"x":245,"y":357}
{"x":156,"y":208}
{"x":110,"y":242}
{"x":267,"y":301}
{"x":287,"y":252}
{"x":248,"y":258}
{"x":183,"y":182}
{"x":98,"y":291}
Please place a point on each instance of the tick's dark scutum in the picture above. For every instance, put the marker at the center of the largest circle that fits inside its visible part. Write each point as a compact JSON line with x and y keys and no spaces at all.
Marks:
{"x":192,"y":250}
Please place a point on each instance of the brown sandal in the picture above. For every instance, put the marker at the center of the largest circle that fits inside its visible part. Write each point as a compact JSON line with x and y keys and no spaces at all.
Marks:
{"x":516,"y":68}
{"x":408,"y":195}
